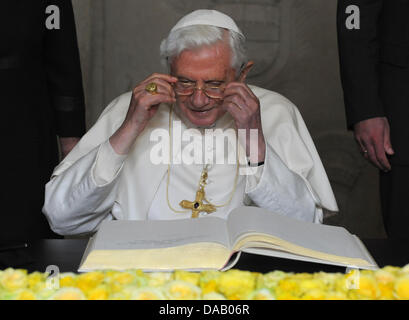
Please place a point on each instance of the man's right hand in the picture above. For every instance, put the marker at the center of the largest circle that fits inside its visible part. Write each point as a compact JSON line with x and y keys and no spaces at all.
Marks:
{"x":373,"y":137}
{"x":142,"y":108}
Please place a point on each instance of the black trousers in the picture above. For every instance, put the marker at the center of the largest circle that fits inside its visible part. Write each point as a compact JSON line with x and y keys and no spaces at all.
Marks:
{"x":394,"y":192}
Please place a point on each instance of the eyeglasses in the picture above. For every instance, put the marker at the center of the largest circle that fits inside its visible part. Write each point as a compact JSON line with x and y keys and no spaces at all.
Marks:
{"x":186,"y":88}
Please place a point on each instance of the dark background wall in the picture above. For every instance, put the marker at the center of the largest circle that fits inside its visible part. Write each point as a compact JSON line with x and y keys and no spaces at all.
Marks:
{"x":294,"y":46}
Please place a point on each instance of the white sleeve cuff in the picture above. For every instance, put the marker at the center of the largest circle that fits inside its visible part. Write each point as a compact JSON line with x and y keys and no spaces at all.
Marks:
{"x":281,"y":190}
{"x":107,"y":165}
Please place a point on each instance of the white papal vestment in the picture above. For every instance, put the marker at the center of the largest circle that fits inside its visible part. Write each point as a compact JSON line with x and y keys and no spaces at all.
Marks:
{"x":93,"y":183}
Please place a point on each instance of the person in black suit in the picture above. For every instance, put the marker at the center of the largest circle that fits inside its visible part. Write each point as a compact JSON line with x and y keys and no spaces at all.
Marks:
{"x":41,"y":96}
{"x":374,"y":65}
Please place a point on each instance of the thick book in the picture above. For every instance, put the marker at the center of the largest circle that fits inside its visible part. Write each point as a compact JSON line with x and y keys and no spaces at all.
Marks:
{"x":212,"y":243}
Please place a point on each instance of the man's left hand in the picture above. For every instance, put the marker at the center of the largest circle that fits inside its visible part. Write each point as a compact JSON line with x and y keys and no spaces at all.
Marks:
{"x":244,"y":107}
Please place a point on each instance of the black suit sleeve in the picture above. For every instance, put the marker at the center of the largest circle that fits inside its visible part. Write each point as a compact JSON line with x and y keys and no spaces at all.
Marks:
{"x":359,"y":61}
{"x":63,"y":70}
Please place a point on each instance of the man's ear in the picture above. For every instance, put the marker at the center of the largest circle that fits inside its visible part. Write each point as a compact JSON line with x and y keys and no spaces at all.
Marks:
{"x":245,"y":70}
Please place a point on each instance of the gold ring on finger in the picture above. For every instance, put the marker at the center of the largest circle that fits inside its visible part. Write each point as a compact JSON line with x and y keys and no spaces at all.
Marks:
{"x":152,"y":88}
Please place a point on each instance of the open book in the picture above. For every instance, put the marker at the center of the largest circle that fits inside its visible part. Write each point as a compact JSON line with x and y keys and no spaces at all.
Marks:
{"x":210,"y":242}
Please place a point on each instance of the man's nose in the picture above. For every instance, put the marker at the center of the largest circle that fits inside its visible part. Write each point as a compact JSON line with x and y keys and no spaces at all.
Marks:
{"x":199,"y":98}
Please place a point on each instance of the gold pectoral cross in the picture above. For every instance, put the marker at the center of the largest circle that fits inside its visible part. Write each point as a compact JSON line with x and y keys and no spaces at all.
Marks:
{"x":198,"y":206}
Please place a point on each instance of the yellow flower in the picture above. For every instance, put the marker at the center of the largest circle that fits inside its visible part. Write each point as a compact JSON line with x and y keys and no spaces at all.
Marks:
{"x":36,"y":281}
{"x":405,"y":269}
{"x":68,"y":294}
{"x":20,"y":294}
{"x":45,"y":293}
{"x":386,"y":291}
{"x":236,"y":284}
{"x":25,"y":294}
{"x":118,"y":280}
{"x":367,"y":288}
{"x":287,"y":296}
{"x":288,"y":284}
{"x":312,"y":289}
{"x":157,"y":279}
{"x":385,"y":280}
{"x":393,"y":270}
{"x":99,"y":293}
{"x":109,"y":274}
{"x":261,"y":294}
{"x":68,"y":279}
{"x":6,"y":295}
{"x":314,"y":294}
{"x":191,"y":277}
{"x":402,"y":288}
{"x":386,"y":283}
{"x":329,"y":279}
{"x":288,"y":288}
{"x":384,"y":276}
{"x":336,"y":295}
{"x":208,"y":281}
{"x":88,"y":281}
{"x":122,"y":295}
{"x":12,"y":280}
{"x":270,"y":280}
{"x":141,"y":279}
{"x":213,"y":296}
{"x":147,"y":293}
{"x":182,"y":290}
{"x":302,"y":276}
{"x":123,"y":278}
{"x":306,"y":285}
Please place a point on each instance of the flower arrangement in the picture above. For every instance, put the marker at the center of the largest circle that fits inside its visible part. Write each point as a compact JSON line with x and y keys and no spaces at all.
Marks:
{"x":386,"y":283}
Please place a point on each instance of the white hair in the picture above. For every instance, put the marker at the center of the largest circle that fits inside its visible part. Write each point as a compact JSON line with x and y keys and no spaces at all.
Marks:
{"x":196,"y":36}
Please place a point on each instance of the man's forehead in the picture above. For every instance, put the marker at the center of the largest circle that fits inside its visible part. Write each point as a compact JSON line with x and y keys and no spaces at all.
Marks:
{"x":212,"y":59}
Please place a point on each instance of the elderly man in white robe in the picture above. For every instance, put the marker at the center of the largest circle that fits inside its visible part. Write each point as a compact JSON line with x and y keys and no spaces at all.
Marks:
{"x":114,"y":172}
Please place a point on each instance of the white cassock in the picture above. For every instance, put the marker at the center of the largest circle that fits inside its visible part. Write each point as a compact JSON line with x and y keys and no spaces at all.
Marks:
{"x":93,"y":183}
